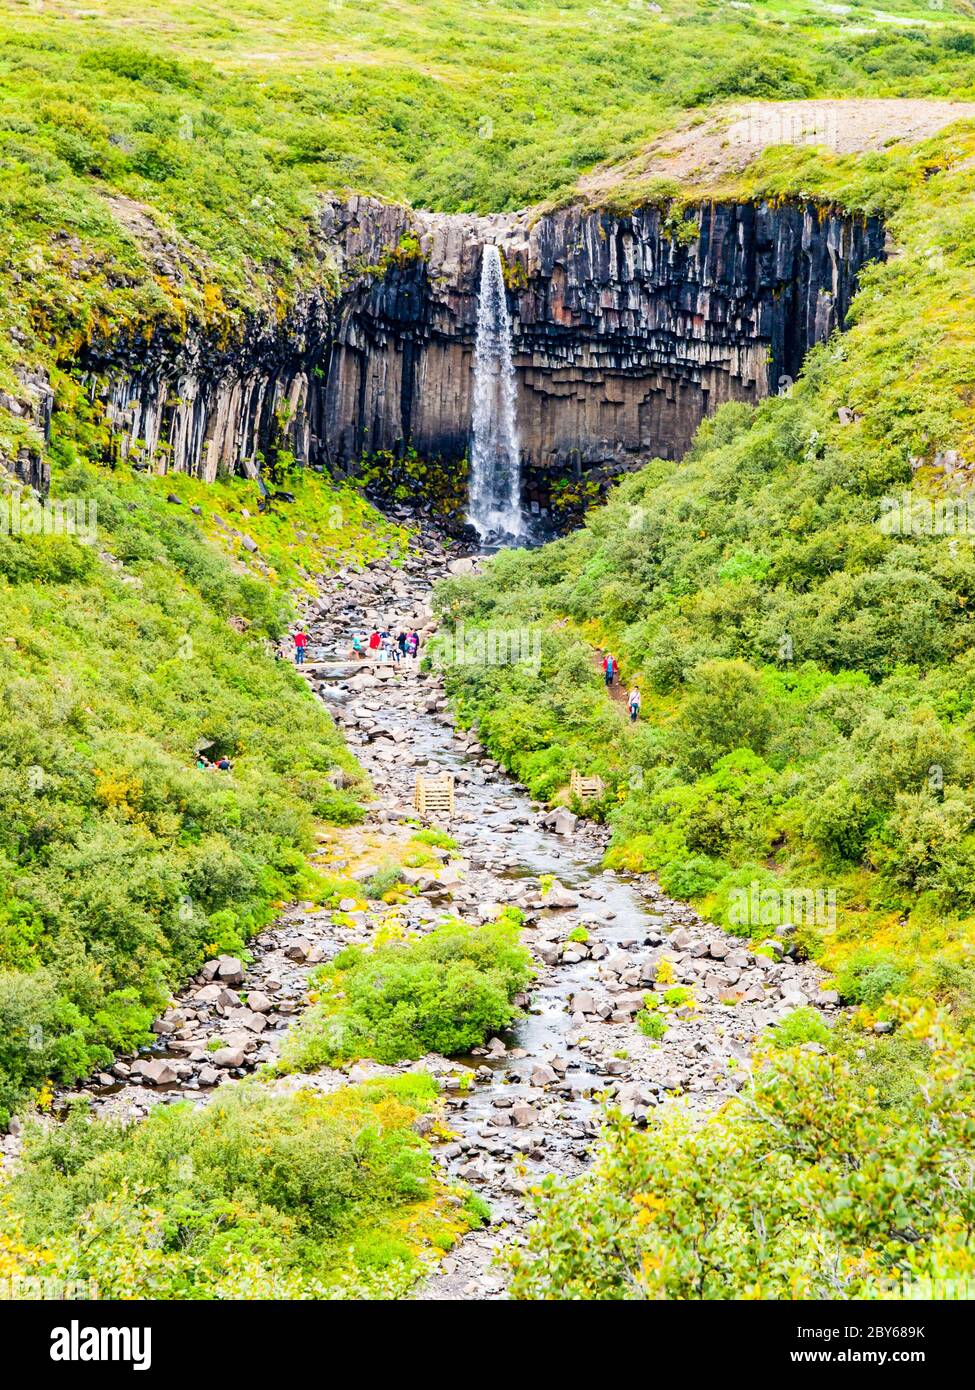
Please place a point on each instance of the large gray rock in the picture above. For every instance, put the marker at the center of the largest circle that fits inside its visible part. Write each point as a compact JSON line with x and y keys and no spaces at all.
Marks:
{"x":228,"y":1057}
{"x":157,"y":1073}
{"x":230,"y":971}
{"x":560,"y":897}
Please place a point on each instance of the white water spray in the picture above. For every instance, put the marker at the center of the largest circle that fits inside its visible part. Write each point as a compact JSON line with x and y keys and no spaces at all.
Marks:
{"x":495,"y":489}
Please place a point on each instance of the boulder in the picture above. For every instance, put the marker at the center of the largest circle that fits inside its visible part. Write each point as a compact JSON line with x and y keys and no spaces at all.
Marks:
{"x":228,"y":1057}
{"x":543,"y":1075}
{"x":523,"y":1114}
{"x":559,"y":896}
{"x":229,"y":970}
{"x":158,"y":1073}
{"x":584,"y":1002}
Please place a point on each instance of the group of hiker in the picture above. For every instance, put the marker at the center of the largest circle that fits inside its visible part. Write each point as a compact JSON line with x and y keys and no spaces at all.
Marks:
{"x":611,"y":671}
{"x":378,"y":644}
{"x":221,"y":764}
{"x":383,"y":646}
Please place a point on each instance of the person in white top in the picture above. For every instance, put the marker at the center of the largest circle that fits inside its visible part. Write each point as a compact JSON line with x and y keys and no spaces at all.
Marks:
{"x":634,"y":703}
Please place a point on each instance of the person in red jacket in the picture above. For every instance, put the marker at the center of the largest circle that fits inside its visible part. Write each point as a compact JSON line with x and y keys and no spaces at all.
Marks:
{"x":301,"y":642}
{"x":610,"y":668}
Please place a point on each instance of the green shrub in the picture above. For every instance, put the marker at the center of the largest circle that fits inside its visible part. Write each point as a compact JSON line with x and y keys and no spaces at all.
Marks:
{"x":250,"y":1193}
{"x":439,"y":839}
{"x":801,"y":1026}
{"x":383,"y":881}
{"x":868,"y":978}
{"x":446,"y":992}
{"x":855,"y":1200}
{"x":651,"y":1024}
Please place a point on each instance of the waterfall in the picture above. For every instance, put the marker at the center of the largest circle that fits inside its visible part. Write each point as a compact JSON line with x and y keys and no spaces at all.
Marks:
{"x":495,"y":486}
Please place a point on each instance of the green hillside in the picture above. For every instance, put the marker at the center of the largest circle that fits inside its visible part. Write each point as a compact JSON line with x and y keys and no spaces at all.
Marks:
{"x":806,"y":670}
{"x":808,"y":718}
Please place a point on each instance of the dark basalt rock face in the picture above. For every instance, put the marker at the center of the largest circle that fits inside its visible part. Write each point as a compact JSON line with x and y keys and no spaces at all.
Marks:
{"x":194,"y":406}
{"x":627,"y":332}
{"x":624,"y":339}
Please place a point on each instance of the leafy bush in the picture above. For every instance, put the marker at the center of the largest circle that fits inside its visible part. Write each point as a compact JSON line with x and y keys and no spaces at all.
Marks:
{"x":446,"y":992}
{"x":868,"y":977}
{"x":308,"y":1195}
{"x":380,"y":883}
{"x":651,"y":1024}
{"x":803,"y":1187}
{"x":801,"y":1026}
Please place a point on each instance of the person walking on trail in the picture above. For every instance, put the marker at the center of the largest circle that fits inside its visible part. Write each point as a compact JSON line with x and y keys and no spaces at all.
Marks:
{"x":401,"y":641}
{"x":301,"y":642}
{"x":610,"y":669}
{"x":374,"y":641}
{"x":356,"y":645}
{"x":633,"y":702}
{"x":414,"y":644}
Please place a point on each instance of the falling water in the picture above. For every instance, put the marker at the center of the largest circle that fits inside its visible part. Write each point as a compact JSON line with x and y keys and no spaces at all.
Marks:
{"x":495,"y":493}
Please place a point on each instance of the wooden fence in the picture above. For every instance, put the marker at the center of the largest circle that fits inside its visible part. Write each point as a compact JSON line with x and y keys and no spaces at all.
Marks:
{"x":434,"y":796}
{"x":586,"y":788}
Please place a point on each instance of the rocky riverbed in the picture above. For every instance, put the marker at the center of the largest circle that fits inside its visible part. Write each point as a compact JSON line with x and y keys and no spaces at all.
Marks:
{"x":527,"y":1103}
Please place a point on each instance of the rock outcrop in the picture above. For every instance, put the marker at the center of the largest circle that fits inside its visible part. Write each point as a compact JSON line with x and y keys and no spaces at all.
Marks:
{"x":628,"y":329}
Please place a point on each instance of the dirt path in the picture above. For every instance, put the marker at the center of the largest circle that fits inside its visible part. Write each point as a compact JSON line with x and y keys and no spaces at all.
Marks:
{"x":618,"y":690}
{"x":528,"y":1103}
{"x":732,"y":137}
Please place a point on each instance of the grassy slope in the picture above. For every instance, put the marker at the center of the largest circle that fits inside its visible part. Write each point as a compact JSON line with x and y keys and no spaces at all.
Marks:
{"x":225,"y":124}
{"x":121,"y":865}
{"x":808,"y":681}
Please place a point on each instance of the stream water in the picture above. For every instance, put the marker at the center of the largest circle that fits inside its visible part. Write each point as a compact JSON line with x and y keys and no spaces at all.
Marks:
{"x":527,"y":1103}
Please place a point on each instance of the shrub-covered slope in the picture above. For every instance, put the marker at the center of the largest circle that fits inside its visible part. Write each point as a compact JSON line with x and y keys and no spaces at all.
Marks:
{"x":806,"y":670}
{"x":123,"y":865}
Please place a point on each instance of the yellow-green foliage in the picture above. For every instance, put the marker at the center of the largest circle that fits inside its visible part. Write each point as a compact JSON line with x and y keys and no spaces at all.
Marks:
{"x":810,"y":1185}
{"x":327,"y":525}
{"x":252,"y":1196}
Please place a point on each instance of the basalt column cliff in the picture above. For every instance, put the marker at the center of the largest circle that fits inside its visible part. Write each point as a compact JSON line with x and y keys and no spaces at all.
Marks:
{"x":626,"y":331}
